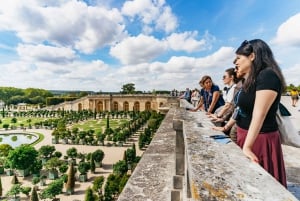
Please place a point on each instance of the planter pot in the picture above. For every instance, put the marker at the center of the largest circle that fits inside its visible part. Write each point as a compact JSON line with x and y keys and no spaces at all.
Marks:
{"x":70,"y":191}
{"x":44,"y":160}
{"x":42,"y":182}
{"x":17,"y":198}
{"x":9,"y":172}
{"x":23,"y":173}
{"x":53,"y":174}
{"x":83,"y":177}
{"x":54,"y":141}
{"x":98,"y":164}
{"x":65,"y":141}
{"x":120,"y":144}
{"x":36,"y":174}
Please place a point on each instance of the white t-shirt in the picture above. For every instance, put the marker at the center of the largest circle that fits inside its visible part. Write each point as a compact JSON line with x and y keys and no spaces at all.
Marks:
{"x":229,"y":96}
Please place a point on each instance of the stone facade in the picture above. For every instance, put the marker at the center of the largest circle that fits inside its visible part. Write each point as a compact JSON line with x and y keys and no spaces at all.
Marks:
{"x":119,"y":102}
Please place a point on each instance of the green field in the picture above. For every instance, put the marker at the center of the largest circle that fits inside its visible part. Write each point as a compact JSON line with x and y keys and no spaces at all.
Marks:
{"x":97,"y":125}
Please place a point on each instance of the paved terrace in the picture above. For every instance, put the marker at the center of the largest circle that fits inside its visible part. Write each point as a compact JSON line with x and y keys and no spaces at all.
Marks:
{"x":183,"y":163}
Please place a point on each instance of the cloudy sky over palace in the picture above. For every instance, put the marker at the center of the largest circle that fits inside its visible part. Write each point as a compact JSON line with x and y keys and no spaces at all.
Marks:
{"x":101,"y":45}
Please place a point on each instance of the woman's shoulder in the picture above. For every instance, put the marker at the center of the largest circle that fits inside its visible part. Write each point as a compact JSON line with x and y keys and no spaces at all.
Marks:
{"x":268,"y":79}
{"x":215,"y":88}
{"x":267,"y":73}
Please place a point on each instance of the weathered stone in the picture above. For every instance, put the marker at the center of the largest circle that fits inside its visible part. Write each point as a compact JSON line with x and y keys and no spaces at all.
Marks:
{"x":183,"y":163}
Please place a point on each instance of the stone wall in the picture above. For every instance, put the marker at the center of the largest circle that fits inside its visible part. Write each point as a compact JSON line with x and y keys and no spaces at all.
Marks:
{"x":183,"y":163}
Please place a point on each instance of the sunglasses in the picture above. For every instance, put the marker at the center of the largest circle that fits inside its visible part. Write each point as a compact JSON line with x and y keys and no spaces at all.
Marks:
{"x":246,"y":44}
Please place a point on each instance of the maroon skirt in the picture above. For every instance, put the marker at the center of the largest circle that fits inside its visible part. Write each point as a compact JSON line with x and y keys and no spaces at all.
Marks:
{"x":267,"y":148}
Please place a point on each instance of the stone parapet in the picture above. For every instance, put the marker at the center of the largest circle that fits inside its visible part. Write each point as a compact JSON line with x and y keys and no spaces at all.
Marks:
{"x":153,"y":177}
{"x":183,"y":163}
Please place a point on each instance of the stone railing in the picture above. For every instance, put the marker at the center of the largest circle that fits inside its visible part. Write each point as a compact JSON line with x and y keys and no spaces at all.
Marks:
{"x":183,"y":163}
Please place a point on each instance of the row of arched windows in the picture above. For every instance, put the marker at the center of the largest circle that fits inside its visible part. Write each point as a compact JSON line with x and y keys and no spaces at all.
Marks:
{"x":115,"y":106}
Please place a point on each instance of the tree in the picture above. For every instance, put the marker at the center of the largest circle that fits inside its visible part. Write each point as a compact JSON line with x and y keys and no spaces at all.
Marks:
{"x":89,"y":195}
{"x":70,"y":185}
{"x":128,"y":88}
{"x":107,"y":122}
{"x":120,"y":167}
{"x":53,"y":189}
{"x":98,"y":156}
{"x":83,"y":167}
{"x":72,"y":152}
{"x":112,"y":186}
{"x":22,"y":157}
{"x":26,"y":190}
{"x":97,"y":185}
{"x":51,"y":165}
{"x":14,"y":190}
{"x":46,"y":151}
{"x":92,"y":165}
{"x":5,"y":149}
{"x":34,"y":195}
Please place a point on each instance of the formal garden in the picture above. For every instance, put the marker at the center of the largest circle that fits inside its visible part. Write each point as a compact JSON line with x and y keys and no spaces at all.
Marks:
{"x":63,"y":171}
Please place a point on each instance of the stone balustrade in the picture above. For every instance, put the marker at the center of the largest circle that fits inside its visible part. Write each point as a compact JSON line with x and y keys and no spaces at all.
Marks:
{"x":183,"y":163}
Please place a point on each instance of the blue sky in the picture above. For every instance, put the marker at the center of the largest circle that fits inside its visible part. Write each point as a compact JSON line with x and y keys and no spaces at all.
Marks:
{"x":101,"y":45}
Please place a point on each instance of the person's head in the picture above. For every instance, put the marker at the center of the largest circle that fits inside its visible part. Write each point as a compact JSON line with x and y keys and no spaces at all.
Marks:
{"x":206,"y":82}
{"x":252,"y":57}
{"x":230,"y":76}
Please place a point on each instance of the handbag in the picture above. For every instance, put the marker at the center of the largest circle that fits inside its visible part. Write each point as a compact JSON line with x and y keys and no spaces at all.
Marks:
{"x":288,"y":133}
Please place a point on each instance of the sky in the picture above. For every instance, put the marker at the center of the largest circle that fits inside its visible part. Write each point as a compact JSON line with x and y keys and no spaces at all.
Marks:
{"x":101,"y":45}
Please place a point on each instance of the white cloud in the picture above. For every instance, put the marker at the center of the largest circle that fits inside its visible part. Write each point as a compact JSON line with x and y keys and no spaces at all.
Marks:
{"x":292,"y":74}
{"x":186,"y":41}
{"x":71,"y":23}
{"x":134,"y":50}
{"x":151,"y":12}
{"x":288,"y":32}
{"x":43,"y":53}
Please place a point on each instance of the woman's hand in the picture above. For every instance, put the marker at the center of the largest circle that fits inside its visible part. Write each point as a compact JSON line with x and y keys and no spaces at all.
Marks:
{"x":249,"y":153}
{"x":218,"y":128}
{"x":217,"y":120}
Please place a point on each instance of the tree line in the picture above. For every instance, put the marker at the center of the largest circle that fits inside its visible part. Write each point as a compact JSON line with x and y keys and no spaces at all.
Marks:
{"x":35,"y":96}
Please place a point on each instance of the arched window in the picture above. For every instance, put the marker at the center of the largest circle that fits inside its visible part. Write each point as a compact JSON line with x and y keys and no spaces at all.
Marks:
{"x":115,"y":106}
{"x":80,"y":107}
{"x":147,"y":106}
{"x":126,"y":106}
{"x":99,"y":106}
{"x":136,"y":106}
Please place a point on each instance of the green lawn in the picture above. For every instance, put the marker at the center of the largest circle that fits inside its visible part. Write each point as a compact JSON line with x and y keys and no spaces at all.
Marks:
{"x":97,"y":125}
{"x":22,"y":120}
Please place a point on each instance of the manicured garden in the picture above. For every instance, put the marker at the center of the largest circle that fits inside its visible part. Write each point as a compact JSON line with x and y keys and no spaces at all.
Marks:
{"x":78,"y":128}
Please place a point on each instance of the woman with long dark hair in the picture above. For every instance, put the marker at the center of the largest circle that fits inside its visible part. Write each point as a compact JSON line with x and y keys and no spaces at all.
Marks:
{"x":257,"y":102}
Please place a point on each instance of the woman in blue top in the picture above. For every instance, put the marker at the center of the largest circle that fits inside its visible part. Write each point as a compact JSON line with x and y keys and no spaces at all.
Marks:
{"x":210,"y":97}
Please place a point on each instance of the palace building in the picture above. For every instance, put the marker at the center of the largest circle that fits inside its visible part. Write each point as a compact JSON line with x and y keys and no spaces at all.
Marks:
{"x":119,"y":102}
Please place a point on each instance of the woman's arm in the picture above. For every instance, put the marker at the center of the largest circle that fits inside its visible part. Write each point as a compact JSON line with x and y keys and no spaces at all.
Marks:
{"x":263,"y":101}
{"x":227,"y":126}
{"x":224,"y":109}
{"x":199,"y":106}
{"x":215,"y":97}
